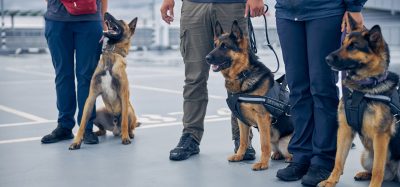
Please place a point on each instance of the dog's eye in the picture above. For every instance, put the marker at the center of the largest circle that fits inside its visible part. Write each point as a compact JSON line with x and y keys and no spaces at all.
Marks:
{"x":350,"y":47}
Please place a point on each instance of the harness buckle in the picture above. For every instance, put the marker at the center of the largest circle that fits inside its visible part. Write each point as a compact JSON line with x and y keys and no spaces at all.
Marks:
{"x":274,"y":121}
{"x":397,"y":117}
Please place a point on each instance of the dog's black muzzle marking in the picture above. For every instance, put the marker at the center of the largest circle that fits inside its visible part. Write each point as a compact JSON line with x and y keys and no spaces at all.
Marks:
{"x":115,"y":29}
{"x":218,"y":64}
{"x":339,"y":64}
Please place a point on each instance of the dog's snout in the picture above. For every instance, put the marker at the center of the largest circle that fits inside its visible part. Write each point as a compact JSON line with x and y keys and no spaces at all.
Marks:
{"x":209,"y":58}
{"x":330,"y":59}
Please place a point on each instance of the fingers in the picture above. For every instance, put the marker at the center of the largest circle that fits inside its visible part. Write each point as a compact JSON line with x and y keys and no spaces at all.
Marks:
{"x":171,"y":12}
{"x":246,"y":10}
{"x":163,"y":11}
{"x":167,"y":13}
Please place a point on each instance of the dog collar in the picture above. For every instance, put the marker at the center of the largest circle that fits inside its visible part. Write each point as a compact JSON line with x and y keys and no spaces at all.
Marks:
{"x":373,"y":80}
{"x":112,"y":49}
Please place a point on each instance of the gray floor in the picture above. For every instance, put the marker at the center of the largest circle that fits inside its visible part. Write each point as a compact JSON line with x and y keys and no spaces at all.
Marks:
{"x":28,"y":111}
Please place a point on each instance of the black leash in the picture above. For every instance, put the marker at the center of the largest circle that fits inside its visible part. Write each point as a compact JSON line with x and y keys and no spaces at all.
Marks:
{"x":252,"y":37}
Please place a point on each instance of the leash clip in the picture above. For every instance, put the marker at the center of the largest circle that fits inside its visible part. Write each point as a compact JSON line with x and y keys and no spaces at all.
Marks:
{"x":397,"y":117}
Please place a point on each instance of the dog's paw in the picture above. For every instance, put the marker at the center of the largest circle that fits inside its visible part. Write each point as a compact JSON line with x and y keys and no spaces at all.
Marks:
{"x":289,"y":159}
{"x":277,"y":156}
{"x":235,"y":158}
{"x":260,"y":166}
{"x":363,"y":176}
{"x":126,"y":141}
{"x":75,"y":146}
{"x":326,"y":183}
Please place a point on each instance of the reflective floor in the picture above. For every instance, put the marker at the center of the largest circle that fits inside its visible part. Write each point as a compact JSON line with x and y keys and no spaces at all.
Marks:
{"x":28,"y":111}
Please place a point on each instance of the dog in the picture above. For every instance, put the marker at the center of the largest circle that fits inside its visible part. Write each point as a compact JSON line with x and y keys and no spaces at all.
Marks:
{"x":111,"y":82}
{"x":364,"y":56}
{"x":232,"y":57}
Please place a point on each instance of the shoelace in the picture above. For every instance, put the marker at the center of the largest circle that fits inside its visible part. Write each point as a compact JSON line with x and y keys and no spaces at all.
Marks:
{"x":184,"y":141}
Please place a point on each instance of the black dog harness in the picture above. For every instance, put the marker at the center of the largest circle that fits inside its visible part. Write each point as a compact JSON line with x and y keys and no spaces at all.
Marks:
{"x":275,"y":101}
{"x":355,"y":104}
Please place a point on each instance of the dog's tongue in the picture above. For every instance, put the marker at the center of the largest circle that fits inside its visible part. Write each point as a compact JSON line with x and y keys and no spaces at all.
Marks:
{"x":214,"y":67}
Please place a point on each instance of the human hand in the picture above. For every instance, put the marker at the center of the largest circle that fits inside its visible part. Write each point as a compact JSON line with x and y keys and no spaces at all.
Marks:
{"x":256,"y":8}
{"x":356,"y":23}
{"x":167,"y":11}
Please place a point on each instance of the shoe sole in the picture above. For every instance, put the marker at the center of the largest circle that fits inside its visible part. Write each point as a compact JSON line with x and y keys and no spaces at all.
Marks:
{"x":56,"y":140}
{"x":249,"y":157}
{"x":97,"y":142}
{"x":183,"y":158}
{"x":285,"y":178}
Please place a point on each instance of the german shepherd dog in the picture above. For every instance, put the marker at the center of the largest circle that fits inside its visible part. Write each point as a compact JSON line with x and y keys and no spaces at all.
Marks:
{"x":232,"y":56}
{"x":111,"y":82}
{"x":365,"y":55}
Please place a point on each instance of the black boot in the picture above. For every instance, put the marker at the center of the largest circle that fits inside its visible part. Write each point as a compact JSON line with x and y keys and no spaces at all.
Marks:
{"x":250,"y":153}
{"x":293,"y":172}
{"x":315,"y":175}
{"x":90,"y":138}
{"x":58,"y":134}
{"x":186,"y":147}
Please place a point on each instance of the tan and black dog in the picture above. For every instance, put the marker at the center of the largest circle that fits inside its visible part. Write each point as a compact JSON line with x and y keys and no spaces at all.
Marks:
{"x":364,"y":56}
{"x":233,"y":58}
{"x":111,"y":82}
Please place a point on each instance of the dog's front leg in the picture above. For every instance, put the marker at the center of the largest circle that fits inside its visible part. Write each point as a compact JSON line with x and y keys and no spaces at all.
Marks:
{"x":345,"y":137}
{"x":264,"y":125}
{"x":244,"y":142}
{"x":124,"y":93}
{"x":87,"y":111}
{"x":380,"y":144}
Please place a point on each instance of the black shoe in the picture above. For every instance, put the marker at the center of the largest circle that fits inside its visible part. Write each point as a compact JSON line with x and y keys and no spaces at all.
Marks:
{"x":293,"y":172}
{"x":186,"y":147}
{"x":58,"y":134}
{"x":250,"y":153}
{"x":90,"y":138}
{"x":315,"y":175}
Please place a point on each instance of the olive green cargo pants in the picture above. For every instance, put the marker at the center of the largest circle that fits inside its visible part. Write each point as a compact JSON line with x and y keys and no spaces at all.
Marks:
{"x":197,"y":40}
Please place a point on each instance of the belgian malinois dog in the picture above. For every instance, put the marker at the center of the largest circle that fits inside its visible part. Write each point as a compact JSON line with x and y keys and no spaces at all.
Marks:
{"x":232,"y":57}
{"x":364,"y":56}
{"x":111,"y":82}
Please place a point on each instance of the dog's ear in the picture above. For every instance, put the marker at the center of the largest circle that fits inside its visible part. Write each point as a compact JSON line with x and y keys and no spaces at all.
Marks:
{"x":236,"y":31}
{"x":354,"y":26}
{"x":218,"y":29}
{"x":132,"y":25}
{"x":375,"y":37}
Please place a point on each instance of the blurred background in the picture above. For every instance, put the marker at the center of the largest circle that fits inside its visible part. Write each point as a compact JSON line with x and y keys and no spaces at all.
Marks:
{"x":23,"y":24}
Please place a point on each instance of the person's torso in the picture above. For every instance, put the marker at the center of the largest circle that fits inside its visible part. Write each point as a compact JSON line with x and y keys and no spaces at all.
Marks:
{"x":302,"y":10}
{"x":57,"y":12}
{"x":218,"y":1}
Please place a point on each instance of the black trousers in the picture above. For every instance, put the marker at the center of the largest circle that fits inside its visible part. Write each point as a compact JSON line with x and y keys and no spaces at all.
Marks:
{"x":313,"y":93}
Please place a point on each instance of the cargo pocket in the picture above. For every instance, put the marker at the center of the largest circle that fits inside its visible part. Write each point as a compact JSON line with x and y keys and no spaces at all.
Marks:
{"x":183,"y":43}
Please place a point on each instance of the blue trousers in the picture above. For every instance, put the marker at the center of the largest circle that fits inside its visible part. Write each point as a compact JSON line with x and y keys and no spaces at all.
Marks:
{"x":313,"y":93}
{"x":69,"y":42}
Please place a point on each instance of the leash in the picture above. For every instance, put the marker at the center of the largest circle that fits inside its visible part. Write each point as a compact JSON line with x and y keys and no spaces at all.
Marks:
{"x":252,"y":37}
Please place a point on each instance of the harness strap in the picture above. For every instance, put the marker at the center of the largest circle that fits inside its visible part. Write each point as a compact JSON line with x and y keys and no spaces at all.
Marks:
{"x":354,"y":109}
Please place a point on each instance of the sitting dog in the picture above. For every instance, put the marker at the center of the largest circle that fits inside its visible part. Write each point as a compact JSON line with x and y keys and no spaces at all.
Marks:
{"x":369,"y":107}
{"x":111,"y":82}
{"x":245,"y":79}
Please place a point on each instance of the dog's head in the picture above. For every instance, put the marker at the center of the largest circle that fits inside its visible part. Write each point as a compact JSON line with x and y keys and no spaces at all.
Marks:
{"x":363,"y":53}
{"x":118,"y":31}
{"x":231,"y":50}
